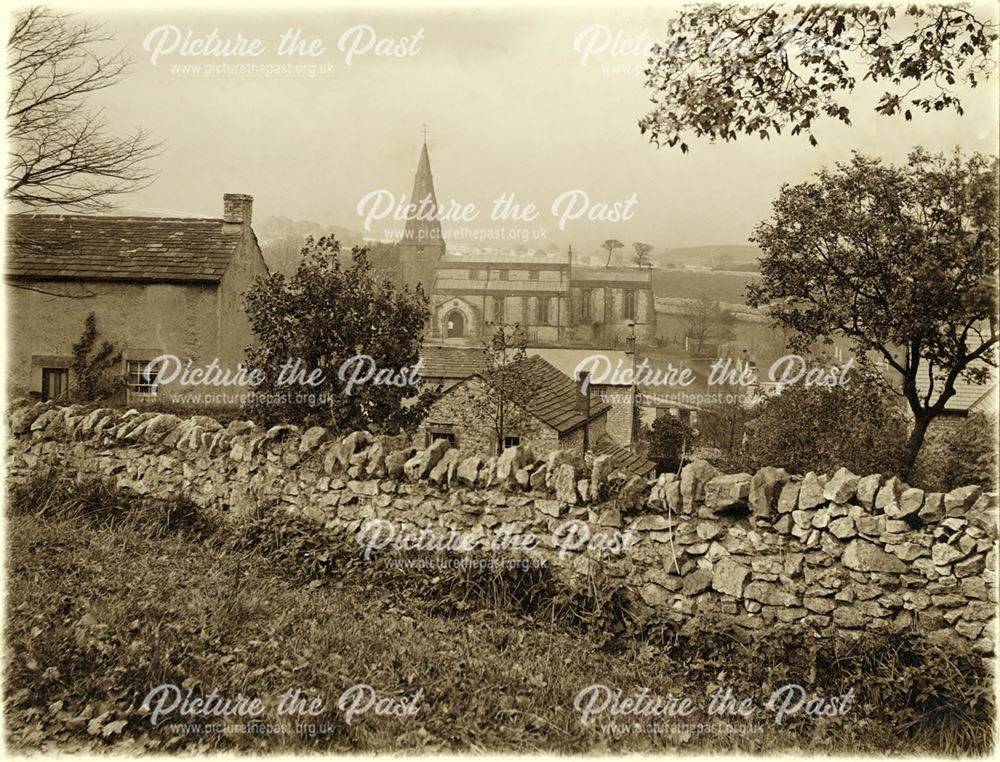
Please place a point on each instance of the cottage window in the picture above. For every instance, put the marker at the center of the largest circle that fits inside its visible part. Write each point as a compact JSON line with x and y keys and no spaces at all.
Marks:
{"x":629,"y":307}
{"x":448,"y":436}
{"x":143,"y":377}
{"x":511,"y":442}
{"x":55,"y":383}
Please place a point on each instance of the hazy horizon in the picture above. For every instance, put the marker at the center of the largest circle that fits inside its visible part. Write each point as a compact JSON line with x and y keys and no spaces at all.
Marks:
{"x":509,"y":105}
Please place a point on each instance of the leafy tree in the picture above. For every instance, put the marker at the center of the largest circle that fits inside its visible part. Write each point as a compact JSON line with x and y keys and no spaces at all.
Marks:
{"x":327,"y":313}
{"x":610,"y":246}
{"x":507,"y":379}
{"x":94,"y":366}
{"x":728,"y":70}
{"x":62,"y":152}
{"x":642,"y":253}
{"x":708,"y":321}
{"x":859,"y":425}
{"x":901,"y":261}
{"x":670,"y":440}
{"x":723,"y":426}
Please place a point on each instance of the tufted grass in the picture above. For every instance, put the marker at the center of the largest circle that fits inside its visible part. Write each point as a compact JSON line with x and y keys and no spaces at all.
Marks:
{"x":110,"y":595}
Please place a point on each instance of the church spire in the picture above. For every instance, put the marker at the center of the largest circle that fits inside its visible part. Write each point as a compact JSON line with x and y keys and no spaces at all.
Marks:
{"x":422,"y":244}
{"x":424,"y":227}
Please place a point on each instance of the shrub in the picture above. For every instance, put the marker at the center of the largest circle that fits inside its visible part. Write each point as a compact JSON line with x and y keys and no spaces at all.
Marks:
{"x":669,"y":439}
{"x":93,"y":369}
{"x":811,"y":428}
{"x":957,"y":453}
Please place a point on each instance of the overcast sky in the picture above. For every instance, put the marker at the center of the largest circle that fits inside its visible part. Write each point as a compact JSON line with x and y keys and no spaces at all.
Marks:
{"x":510,"y":108}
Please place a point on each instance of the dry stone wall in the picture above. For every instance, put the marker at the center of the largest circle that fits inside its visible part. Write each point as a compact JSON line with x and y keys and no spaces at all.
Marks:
{"x":836,"y":553}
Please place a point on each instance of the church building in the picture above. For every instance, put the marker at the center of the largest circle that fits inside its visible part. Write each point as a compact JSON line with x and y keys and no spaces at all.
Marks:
{"x":556,"y":301}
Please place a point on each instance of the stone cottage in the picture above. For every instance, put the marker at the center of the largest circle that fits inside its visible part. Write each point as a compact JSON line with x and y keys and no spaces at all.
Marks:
{"x":155,"y":285}
{"x":554,"y":417}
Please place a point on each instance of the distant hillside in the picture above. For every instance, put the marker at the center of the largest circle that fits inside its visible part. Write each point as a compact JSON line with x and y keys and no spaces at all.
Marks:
{"x":693,"y":284}
{"x":281,"y":239}
{"x":715,"y":257}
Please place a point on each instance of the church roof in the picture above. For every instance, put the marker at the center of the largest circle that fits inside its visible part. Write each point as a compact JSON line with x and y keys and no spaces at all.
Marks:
{"x":92,"y":247}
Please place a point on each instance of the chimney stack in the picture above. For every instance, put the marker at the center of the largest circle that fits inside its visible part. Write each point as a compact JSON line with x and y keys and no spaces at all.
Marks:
{"x":237,"y":208}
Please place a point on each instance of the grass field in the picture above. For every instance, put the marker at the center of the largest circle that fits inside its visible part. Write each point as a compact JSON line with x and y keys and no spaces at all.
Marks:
{"x":685,"y":284}
{"x":110,"y":596}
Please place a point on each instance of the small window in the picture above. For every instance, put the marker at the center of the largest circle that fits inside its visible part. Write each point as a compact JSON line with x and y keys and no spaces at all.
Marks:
{"x":533,"y":275}
{"x":143,"y":377}
{"x":55,"y":383}
{"x":473,"y":274}
{"x":502,"y":275}
{"x":511,"y":442}
{"x":498,"y":309}
{"x":448,"y":436}
{"x":585,"y":304}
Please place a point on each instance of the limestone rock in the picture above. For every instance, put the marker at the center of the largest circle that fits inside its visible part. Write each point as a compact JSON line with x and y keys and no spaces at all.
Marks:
{"x":908,"y":503}
{"x":468,"y":470}
{"x":865,"y":556}
{"x":419,"y":466}
{"x":943,"y":554}
{"x":728,"y":577}
{"x":868,"y":487}
{"x":933,"y":508}
{"x":694,"y":476}
{"x":842,"y":487}
{"x":313,"y":438}
{"x":600,"y":470}
{"x":811,"y":491}
{"x":727,"y":491}
{"x":958,"y":499}
{"x":564,"y":483}
{"x":697,"y":581}
{"x":394,"y":461}
{"x":448,"y":463}
{"x":509,"y":461}
{"x":788,"y":500}
{"x":843,"y":528}
{"x":887,"y":499}
{"x":765,"y":486}
{"x":770,"y":594}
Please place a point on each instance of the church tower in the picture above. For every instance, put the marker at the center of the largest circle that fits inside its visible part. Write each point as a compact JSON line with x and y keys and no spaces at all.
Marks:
{"x":422,"y":244}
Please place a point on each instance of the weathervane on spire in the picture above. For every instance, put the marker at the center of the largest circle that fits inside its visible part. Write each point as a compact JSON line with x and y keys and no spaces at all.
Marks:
{"x":424,"y":128}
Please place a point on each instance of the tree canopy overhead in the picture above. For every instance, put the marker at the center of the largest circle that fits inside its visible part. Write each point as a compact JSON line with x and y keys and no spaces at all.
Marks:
{"x":730,"y":70}
{"x":901,"y":260}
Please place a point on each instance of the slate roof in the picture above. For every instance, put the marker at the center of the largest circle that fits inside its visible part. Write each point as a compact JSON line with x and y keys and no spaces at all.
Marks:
{"x":555,"y":397}
{"x":450,"y":362}
{"x":625,"y":459}
{"x":90,"y":247}
{"x":968,"y":396}
{"x":611,"y":275}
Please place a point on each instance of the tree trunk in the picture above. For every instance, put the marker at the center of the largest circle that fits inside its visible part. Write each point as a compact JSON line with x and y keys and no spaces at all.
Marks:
{"x":915,"y":442}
